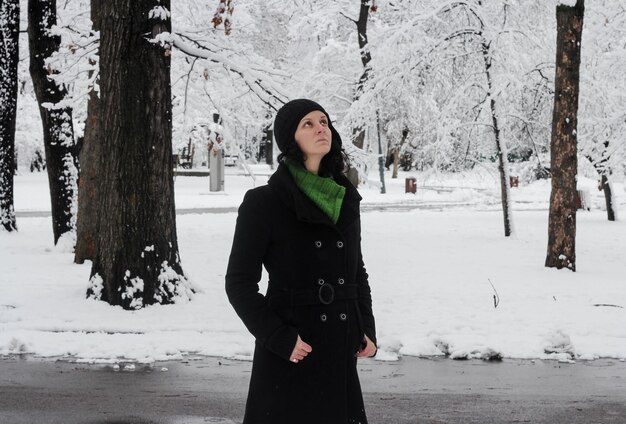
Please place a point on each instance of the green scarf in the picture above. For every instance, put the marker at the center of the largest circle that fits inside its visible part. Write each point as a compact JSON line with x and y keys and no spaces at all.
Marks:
{"x":323,"y":191}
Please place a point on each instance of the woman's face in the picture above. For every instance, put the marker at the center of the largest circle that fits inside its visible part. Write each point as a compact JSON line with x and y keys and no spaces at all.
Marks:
{"x":313,"y":135}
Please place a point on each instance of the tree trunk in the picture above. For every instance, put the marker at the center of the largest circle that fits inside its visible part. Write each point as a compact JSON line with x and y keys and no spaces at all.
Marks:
{"x":381,"y":158}
{"x":503,"y":163}
{"x":600,"y":161}
{"x":396,"y":162}
{"x":366,"y":57}
{"x":358,"y":133}
{"x":89,"y":181}
{"x":608,"y":197}
{"x":58,"y":131}
{"x":136,"y":260}
{"x":563,"y":156}
{"x":9,"y":56}
{"x":396,"y":153}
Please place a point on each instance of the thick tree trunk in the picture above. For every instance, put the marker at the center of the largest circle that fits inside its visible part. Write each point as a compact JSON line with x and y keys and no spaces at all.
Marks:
{"x":562,"y":221}
{"x":89,"y":181}
{"x":9,"y":56}
{"x":503,"y":163}
{"x":58,"y":131}
{"x":358,"y":133}
{"x":136,"y":260}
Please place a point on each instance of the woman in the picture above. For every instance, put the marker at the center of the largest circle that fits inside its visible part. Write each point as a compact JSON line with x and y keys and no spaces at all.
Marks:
{"x":316,"y":318}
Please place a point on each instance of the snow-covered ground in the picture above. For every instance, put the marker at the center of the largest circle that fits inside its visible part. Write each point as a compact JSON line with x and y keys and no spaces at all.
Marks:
{"x":436,"y":259}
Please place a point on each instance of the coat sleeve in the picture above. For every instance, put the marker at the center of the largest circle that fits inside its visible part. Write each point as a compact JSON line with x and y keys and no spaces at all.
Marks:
{"x":250,"y":243}
{"x":365,"y":297}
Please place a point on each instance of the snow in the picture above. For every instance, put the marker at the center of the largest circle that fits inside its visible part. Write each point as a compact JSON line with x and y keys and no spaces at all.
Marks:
{"x":159,"y":12}
{"x":133,"y":286}
{"x":434,"y":272}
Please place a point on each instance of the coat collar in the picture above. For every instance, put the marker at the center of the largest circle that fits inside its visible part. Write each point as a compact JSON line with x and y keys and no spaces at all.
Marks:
{"x":282,"y":183}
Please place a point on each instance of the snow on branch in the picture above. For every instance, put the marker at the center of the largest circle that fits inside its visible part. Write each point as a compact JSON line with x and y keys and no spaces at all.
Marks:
{"x":463,"y":31}
{"x":257,"y":78}
{"x":159,"y":12}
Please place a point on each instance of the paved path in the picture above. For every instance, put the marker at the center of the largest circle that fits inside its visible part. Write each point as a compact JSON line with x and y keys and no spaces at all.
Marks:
{"x":365,"y":207}
{"x":410,"y":391}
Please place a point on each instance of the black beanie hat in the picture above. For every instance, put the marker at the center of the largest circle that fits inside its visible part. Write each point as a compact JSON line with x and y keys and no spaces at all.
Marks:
{"x":290,"y":115}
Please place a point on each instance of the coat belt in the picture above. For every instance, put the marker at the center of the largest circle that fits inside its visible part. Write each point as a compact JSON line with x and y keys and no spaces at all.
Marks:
{"x":322,"y":295}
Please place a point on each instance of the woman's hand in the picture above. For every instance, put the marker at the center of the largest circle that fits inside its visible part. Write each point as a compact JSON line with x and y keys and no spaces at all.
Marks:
{"x":368,"y":351}
{"x":300,"y":351}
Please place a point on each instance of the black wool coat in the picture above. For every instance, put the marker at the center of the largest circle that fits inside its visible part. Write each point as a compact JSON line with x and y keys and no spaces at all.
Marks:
{"x":317,"y":288}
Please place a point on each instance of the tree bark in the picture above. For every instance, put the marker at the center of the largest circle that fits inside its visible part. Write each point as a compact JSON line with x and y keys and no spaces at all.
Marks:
{"x":600,"y":161}
{"x":366,"y":57}
{"x":396,"y":153}
{"x":563,"y":156}
{"x":396,"y":163}
{"x":58,"y":131}
{"x":358,"y":133}
{"x":503,"y":164}
{"x":136,"y":259}
{"x":9,"y":57}
{"x":608,"y":197}
{"x":89,"y":180}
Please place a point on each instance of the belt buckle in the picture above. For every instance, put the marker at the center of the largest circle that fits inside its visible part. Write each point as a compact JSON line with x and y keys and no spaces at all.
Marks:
{"x":321,"y":296}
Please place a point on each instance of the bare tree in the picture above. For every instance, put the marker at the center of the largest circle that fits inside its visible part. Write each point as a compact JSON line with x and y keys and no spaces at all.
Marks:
{"x":564,"y":164}
{"x":503,"y":166}
{"x":9,"y":56}
{"x":136,"y":260}
{"x":480,"y":34}
{"x":58,"y":131}
{"x":358,"y":133}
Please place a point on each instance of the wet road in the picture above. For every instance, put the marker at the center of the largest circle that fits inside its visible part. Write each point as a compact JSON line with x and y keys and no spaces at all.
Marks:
{"x":412,"y":390}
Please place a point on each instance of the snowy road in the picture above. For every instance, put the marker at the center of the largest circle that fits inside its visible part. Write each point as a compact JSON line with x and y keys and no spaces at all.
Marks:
{"x":409,"y":391}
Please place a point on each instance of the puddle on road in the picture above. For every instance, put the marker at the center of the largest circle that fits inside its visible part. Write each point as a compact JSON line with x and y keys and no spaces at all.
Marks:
{"x":180,"y":419}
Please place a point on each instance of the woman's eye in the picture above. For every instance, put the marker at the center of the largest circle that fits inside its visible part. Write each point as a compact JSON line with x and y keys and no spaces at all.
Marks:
{"x":325,"y":123}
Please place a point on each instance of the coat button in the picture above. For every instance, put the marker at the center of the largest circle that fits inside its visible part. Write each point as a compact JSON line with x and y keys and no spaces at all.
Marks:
{"x":340,"y":244}
{"x":343,"y":317}
{"x":318,"y":244}
{"x":341,"y":281}
{"x":323,"y":317}
{"x":320,"y":281}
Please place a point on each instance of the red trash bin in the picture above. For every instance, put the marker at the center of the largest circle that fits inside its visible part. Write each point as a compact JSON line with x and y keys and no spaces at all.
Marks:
{"x":410,"y":185}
